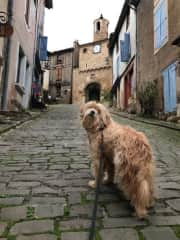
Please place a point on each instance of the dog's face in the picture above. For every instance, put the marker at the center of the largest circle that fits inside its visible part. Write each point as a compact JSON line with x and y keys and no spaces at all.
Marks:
{"x":94,"y":116}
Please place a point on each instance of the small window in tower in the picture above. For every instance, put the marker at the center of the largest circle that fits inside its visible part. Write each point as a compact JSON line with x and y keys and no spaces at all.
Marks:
{"x":98,"y":26}
{"x":84,"y":50}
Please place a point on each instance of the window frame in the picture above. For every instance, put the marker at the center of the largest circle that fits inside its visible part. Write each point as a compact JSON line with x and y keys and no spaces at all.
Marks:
{"x":157,"y":6}
{"x":27,"y":12}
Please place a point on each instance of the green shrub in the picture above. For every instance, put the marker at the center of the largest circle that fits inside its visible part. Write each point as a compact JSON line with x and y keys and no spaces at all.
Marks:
{"x":147,"y":94}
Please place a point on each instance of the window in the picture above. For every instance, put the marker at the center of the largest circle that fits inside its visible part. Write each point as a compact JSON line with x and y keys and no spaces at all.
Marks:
{"x":20,"y":63}
{"x":27,"y":13}
{"x":84,"y":50}
{"x":59,"y":60}
{"x":160,"y":24}
{"x":98,"y":26}
{"x":27,"y":75}
{"x":127,"y":19}
{"x":125,"y":48}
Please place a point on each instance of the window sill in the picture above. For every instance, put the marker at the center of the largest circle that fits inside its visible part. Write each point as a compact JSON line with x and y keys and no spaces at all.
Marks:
{"x":158,"y":49}
{"x":20,"y":89}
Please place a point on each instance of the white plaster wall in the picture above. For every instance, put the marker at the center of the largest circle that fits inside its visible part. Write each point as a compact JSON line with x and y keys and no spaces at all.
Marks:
{"x":132,"y":30}
{"x":23,"y":36}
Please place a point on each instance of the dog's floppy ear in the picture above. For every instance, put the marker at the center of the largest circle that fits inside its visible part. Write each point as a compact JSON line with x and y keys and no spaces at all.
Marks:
{"x":105,"y":116}
{"x":82,"y":111}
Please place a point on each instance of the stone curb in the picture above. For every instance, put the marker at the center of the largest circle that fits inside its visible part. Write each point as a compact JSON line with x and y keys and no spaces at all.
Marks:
{"x":148,"y":121}
{"x":18,"y":123}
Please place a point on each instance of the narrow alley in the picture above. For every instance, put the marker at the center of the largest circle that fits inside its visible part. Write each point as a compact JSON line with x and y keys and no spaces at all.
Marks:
{"x":44,"y":171}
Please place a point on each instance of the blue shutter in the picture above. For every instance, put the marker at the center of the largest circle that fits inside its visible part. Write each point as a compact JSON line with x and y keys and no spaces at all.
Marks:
{"x":123,"y":51}
{"x":169,"y":82}
{"x":166,"y":90}
{"x":172,"y":83}
{"x":157,"y":23}
{"x":128,"y":45}
{"x":125,"y":48}
{"x":163,"y":20}
{"x":43,"y":48}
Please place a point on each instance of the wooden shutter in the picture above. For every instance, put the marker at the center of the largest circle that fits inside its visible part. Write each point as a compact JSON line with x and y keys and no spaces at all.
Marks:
{"x":123,"y":51}
{"x":166,"y":90}
{"x":128,"y":45}
{"x":169,"y":85}
{"x":157,"y":24}
{"x":43,"y":48}
{"x":163,"y":20}
{"x":172,"y":83}
{"x":125,"y":48}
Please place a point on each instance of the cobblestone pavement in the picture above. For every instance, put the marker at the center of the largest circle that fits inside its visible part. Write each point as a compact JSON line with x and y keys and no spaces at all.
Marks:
{"x":44,"y":170}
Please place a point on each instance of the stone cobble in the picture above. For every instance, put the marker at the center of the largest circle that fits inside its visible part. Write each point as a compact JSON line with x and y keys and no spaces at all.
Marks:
{"x":44,"y":174}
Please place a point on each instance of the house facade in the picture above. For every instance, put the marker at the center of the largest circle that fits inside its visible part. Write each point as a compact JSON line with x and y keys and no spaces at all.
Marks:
{"x":3,"y":46}
{"x":92,"y":66}
{"x":123,"y":48}
{"x":27,"y":21}
{"x":158,"y":29}
{"x":60,"y":64}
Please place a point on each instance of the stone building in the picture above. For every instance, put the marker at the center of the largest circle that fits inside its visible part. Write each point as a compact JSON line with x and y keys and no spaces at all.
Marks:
{"x":22,"y":55}
{"x":92,"y":66}
{"x":3,"y":46}
{"x":158,"y":26}
{"x":123,"y":47}
{"x":60,"y":64}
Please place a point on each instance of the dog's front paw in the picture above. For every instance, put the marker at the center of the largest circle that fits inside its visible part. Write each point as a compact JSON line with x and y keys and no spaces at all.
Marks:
{"x":92,"y":184}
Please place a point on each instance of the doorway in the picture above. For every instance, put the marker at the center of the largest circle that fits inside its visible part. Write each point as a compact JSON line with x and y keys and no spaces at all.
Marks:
{"x":92,"y":92}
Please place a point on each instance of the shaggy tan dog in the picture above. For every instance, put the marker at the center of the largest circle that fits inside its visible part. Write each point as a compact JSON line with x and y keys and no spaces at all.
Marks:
{"x":127,"y":156}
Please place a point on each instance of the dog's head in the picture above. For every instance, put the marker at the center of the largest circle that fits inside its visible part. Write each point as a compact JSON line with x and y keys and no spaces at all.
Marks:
{"x":94,"y":116}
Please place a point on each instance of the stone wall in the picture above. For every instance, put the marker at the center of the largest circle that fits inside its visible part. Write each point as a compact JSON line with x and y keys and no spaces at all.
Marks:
{"x":93,"y":68}
{"x":150,"y":62}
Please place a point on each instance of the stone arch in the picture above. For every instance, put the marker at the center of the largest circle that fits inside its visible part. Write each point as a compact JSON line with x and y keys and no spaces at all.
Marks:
{"x":93,"y":92}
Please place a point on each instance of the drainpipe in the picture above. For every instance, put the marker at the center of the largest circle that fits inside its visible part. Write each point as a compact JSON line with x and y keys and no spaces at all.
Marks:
{"x":6,"y":63}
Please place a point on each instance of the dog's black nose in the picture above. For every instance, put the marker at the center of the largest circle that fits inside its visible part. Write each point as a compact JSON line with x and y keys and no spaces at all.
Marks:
{"x":92,"y":113}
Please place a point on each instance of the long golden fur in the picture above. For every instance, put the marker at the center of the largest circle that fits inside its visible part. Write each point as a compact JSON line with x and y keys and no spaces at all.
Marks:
{"x":127,"y":156}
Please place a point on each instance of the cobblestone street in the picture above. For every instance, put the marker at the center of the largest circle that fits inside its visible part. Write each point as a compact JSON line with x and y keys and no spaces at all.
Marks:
{"x":44,"y":171}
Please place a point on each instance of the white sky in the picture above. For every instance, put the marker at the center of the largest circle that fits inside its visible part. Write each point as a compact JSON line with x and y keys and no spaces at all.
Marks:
{"x":71,"y":20}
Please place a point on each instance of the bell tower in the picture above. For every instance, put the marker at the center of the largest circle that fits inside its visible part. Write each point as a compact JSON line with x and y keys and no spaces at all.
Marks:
{"x":100,"y":28}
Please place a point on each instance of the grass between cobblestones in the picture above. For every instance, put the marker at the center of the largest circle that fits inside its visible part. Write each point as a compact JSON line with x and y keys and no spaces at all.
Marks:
{"x":57,"y":230}
{"x":11,"y":238}
{"x":140,"y":234}
{"x":83,"y":198}
{"x":6,"y":232}
{"x":177,"y":230}
{"x":66,"y":211}
{"x":30,"y":212}
{"x":97,"y":235}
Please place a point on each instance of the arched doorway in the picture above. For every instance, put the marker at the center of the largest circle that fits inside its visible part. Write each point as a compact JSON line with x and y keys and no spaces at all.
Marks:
{"x":92,"y":92}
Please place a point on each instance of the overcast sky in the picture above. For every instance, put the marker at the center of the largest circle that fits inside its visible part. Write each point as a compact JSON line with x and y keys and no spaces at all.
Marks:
{"x":71,"y":20}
